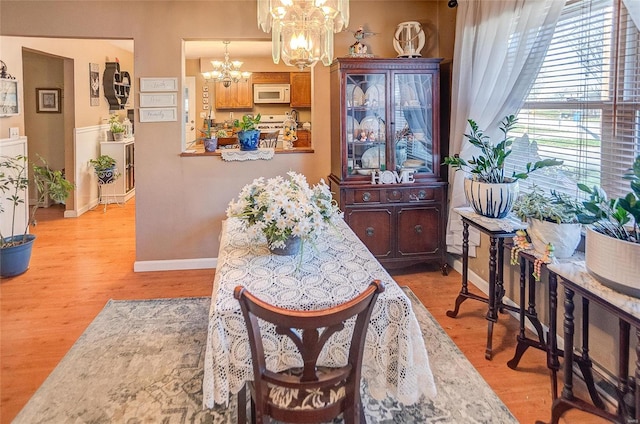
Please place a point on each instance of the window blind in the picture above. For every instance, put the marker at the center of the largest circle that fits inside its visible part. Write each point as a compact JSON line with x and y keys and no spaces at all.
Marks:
{"x":584,"y":106}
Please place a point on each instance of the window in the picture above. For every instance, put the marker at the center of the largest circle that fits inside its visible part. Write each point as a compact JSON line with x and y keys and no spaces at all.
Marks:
{"x":584,"y":106}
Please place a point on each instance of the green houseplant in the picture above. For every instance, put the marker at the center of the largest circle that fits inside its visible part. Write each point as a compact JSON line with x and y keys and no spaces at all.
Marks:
{"x":116,"y":127}
{"x":612,"y":241}
{"x":105,"y":168}
{"x":487,"y":189}
{"x":209,"y":139}
{"x":552,"y":219}
{"x":16,"y":246}
{"x":248,"y":133}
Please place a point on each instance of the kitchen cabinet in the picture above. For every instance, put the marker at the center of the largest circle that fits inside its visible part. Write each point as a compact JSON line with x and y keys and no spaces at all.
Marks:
{"x":385,"y":123}
{"x":300,"y":83}
{"x":239,"y":95}
{"x":270,"y":77}
{"x":117,"y":86}
{"x":123,"y":152}
{"x":304,"y":138}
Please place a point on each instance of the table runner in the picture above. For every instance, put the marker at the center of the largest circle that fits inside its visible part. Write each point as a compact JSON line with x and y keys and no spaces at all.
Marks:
{"x":334,"y":268}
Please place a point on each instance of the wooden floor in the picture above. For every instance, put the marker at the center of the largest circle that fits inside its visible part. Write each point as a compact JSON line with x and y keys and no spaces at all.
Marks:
{"x":78,"y":264}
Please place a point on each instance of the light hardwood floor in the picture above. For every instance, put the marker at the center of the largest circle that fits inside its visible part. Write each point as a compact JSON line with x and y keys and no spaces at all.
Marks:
{"x":78,"y":264}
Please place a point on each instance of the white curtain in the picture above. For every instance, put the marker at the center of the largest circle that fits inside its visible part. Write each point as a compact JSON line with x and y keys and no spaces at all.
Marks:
{"x":499,"y":48}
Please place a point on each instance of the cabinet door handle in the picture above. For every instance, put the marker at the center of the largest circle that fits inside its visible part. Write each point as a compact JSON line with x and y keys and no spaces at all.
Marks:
{"x":418,"y":229}
{"x":369,"y":231}
{"x":366,"y":196}
{"x":422,"y":194}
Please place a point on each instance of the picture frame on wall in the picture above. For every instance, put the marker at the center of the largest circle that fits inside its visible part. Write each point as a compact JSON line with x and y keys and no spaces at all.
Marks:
{"x":94,"y":84}
{"x":48,"y":100}
{"x":9,"y":97}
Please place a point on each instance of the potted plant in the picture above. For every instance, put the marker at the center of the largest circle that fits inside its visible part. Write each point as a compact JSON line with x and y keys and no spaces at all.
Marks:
{"x":487,"y":189}
{"x":285,"y":211}
{"x":209,"y":139}
{"x":248,"y":133}
{"x":552,"y":219}
{"x":116,"y":127}
{"x":16,"y":246}
{"x":612,"y":241}
{"x":105,"y":168}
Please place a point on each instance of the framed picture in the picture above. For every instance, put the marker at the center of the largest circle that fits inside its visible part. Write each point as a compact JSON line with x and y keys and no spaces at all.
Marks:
{"x":158,"y":84}
{"x":158,"y":114}
{"x":158,"y":99}
{"x":8,"y":97}
{"x":94,"y":84}
{"x":48,"y":100}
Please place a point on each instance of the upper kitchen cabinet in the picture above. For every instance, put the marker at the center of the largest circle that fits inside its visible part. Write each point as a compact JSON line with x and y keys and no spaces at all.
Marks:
{"x":300,"y":89}
{"x":117,"y":86}
{"x":239,"y":95}
{"x":270,"y":77}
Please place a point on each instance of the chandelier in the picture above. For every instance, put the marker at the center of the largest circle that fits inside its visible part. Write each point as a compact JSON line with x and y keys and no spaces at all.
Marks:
{"x":226,"y":71}
{"x":302,"y":30}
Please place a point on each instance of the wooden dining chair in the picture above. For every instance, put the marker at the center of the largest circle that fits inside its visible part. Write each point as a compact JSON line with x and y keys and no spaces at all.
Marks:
{"x":269,"y":139}
{"x":311,"y":393}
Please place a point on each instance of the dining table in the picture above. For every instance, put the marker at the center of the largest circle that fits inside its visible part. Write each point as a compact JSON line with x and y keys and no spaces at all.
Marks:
{"x":331,"y":268}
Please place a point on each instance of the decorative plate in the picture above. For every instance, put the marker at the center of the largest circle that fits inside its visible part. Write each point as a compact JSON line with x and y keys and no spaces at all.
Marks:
{"x":374,"y":96}
{"x":372,"y":157}
{"x":355,"y":95}
{"x":370,"y":124}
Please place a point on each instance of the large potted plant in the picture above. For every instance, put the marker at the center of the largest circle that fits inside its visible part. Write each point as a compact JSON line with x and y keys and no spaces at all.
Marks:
{"x":248,"y":133}
{"x":16,"y":246}
{"x":105,"y":168}
{"x":487,"y":189}
{"x":612,"y":241}
{"x":552,"y":219}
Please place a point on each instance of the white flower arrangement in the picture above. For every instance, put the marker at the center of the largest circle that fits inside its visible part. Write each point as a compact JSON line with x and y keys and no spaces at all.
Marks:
{"x":281,"y":208}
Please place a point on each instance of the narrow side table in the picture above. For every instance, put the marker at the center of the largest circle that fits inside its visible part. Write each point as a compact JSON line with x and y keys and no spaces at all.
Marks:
{"x":576,"y":279}
{"x":497,"y":230}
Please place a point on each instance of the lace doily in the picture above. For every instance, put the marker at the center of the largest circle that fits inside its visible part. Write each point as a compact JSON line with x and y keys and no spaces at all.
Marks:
{"x":334,"y":268}
{"x":264,"y":153}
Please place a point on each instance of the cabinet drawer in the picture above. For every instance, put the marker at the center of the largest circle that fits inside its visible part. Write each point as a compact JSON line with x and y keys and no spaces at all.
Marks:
{"x":366,"y":196}
{"x":423,"y":194}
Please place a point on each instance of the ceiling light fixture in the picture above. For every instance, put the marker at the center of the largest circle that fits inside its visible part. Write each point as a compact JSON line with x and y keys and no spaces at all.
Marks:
{"x":226,"y":71}
{"x":302,"y":30}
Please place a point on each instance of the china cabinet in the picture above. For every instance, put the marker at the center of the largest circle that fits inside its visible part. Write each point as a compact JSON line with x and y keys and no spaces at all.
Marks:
{"x":385,"y":156}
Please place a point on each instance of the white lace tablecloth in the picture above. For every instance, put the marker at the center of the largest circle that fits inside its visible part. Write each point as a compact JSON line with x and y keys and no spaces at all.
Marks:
{"x":332,"y":270}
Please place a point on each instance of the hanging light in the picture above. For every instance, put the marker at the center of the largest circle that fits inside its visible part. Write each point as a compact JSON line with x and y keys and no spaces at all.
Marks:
{"x":302,"y":30}
{"x":226,"y":71}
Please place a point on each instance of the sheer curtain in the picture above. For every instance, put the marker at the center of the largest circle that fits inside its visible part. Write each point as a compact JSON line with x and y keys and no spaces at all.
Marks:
{"x":500,"y":45}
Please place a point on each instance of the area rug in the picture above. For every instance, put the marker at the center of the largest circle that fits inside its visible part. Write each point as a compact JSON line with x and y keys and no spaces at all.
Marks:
{"x":142,"y":362}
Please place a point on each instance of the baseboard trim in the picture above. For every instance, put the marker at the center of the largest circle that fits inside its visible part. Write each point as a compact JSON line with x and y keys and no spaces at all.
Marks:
{"x":175,"y":264}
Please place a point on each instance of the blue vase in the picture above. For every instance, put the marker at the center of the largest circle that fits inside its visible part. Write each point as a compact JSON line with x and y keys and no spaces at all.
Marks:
{"x":15,"y":260}
{"x":249,"y":140}
{"x":210,"y":144}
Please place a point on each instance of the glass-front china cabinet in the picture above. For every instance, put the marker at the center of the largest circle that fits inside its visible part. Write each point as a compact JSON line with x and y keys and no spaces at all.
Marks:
{"x":385,"y":156}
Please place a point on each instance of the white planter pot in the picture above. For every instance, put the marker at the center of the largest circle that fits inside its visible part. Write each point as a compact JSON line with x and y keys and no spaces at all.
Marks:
{"x":564,"y":237}
{"x":491,"y":200}
{"x":615,"y":263}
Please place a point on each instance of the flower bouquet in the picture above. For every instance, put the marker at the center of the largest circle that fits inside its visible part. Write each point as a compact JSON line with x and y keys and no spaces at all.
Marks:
{"x":282,"y":209}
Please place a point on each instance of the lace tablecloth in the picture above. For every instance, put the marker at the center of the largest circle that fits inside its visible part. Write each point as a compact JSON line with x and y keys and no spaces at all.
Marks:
{"x":333,"y":269}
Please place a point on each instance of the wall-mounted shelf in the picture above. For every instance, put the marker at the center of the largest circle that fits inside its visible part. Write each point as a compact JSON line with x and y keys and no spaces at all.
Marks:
{"x":117,"y":86}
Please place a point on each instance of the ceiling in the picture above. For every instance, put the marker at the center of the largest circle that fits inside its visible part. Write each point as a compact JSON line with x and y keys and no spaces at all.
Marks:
{"x":198,"y":49}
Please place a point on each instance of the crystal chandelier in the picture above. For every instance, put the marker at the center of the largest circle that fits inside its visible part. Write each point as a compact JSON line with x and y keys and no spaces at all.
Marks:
{"x":228,"y":71}
{"x":302,"y":30}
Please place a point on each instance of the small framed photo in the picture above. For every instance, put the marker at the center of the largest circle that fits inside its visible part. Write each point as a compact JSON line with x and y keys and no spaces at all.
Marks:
{"x":8,"y":97}
{"x":205,"y":107}
{"x":205,"y":101}
{"x":205,"y":94}
{"x":205,"y":88}
{"x":48,"y":100}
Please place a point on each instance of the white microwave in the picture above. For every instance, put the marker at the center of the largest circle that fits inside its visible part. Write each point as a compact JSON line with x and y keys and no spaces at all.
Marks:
{"x":271,"y":93}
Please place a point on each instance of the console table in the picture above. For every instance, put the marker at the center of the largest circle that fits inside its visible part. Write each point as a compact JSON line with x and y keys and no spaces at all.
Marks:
{"x":576,"y":279}
{"x":497,"y":230}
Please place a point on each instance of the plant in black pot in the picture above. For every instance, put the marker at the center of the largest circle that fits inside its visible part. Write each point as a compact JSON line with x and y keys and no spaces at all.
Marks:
{"x":248,"y":133}
{"x":16,"y":245}
{"x":105,"y":168}
{"x":486,"y":187}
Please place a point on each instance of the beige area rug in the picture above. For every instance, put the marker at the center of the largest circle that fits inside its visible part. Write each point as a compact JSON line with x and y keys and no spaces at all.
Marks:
{"x":142,"y":362}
